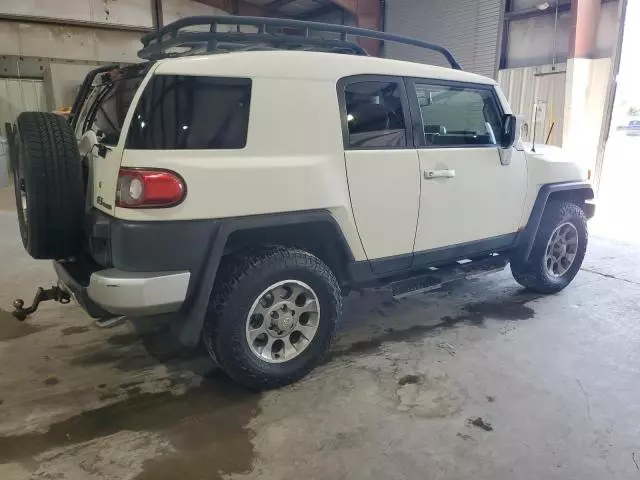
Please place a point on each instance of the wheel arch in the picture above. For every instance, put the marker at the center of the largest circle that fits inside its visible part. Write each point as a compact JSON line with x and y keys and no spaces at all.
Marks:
{"x":316,"y":231}
{"x":574,"y":192}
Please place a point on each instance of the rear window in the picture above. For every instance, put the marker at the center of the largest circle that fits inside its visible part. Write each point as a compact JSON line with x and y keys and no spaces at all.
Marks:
{"x":178,"y":112}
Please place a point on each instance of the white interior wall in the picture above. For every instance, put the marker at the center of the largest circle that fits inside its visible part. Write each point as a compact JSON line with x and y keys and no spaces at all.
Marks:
{"x":68,"y":42}
{"x":62,"y":82}
{"x":135,"y":13}
{"x":586,"y":91}
{"x":172,"y":10}
{"x":84,"y":42}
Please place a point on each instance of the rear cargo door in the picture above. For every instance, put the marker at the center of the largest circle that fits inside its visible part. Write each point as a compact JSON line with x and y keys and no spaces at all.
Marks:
{"x":100,"y":132}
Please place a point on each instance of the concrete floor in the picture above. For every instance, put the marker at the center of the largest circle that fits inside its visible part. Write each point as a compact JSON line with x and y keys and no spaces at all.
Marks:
{"x":556,"y":377}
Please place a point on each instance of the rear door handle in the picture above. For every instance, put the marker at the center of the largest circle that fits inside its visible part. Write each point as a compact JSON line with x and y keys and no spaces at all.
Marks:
{"x":429,"y":174}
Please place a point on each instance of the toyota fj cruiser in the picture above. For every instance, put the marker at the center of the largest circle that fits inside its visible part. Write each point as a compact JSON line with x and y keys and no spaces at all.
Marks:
{"x":247,"y":192}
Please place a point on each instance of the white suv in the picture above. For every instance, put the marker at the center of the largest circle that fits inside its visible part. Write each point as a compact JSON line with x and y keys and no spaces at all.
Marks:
{"x":249,"y":191}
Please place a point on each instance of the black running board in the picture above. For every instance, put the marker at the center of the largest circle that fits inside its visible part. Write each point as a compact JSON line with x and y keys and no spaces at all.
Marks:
{"x":435,"y":278}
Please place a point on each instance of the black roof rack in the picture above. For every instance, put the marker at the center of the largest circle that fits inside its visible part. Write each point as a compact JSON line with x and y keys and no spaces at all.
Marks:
{"x":187,"y":37}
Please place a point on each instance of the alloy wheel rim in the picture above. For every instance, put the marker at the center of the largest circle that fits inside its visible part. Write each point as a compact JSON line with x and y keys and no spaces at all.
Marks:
{"x":283,"y":321}
{"x":562,"y":249}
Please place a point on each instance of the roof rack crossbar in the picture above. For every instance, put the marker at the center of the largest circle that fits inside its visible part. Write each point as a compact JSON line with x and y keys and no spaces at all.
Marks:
{"x":156,"y":44}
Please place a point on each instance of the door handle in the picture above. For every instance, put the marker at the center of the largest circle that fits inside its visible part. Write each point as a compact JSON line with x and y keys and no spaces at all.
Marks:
{"x":429,"y":174}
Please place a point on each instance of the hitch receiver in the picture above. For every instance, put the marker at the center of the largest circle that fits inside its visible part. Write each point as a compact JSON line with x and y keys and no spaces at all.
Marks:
{"x":42,"y":295}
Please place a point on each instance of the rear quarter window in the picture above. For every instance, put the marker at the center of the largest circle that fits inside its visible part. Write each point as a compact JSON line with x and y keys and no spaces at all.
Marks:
{"x":178,"y":112}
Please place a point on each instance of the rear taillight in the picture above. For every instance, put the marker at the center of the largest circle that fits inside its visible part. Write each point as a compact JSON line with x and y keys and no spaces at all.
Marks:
{"x":145,"y":188}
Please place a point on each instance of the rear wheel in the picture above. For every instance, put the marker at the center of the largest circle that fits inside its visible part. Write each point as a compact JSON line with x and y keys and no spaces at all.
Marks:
{"x":558,"y":249}
{"x":49,"y":186}
{"x":272,"y":316}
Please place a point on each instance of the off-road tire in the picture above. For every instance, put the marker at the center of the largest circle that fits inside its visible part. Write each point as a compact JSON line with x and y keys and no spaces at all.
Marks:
{"x":47,"y":159}
{"x":533,"y":274}
{"x":241,"y":279}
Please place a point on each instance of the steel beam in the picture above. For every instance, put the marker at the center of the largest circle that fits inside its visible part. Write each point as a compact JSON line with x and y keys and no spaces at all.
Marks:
{"x":368,"y":14}
{"x":236,"y":7}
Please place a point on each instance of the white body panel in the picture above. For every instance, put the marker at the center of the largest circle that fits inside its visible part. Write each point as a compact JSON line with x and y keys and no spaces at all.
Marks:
{"x":294,"y":160}
{"x":484,"y":199}
{"x":385,"y":192}
{"x":548,"y":164}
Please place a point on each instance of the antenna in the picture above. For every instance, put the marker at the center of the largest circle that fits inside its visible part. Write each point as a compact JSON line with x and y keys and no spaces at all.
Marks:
{"x":535,"y":122}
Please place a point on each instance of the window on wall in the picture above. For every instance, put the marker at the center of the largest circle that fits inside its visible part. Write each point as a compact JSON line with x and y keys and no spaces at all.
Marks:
{"x":191,"y":112}
{"x":458,"y":116}
{"x":375,"y":117}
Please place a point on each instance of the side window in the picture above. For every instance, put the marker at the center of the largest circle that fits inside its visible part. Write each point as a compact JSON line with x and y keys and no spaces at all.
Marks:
{"x":375,"y":117}
{"x":177,"y":112}
{"x":458,"y":116}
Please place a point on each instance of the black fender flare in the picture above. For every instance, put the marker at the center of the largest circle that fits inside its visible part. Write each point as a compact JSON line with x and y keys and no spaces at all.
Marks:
{"x":526,"y":237}
{"x":192,"y":314}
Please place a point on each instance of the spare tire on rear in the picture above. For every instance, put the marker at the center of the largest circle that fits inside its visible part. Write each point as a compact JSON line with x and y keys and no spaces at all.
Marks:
{"x":49,"y":186}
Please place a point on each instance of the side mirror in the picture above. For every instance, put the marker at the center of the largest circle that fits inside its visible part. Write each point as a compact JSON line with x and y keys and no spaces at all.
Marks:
{"x":509,"y":131}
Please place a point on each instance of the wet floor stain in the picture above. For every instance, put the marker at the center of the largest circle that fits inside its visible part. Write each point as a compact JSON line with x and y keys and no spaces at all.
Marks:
{"x":74,"y":330}
{"x":510,"y":308}
{"x":126,"y":361}
{"x":409,"y":379}
{"x":130,"y":352}
{"x":51,"y":381}
{"x":124,"y":339}
{"x":11,"y":328}
{"x":127,"y":385}
{"x":206,"y":426}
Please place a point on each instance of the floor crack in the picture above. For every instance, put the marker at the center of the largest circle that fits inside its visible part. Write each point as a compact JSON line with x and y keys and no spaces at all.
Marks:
{"x":633,"y":457}
{"x":586,"y":398}
{"x":608,"y":275}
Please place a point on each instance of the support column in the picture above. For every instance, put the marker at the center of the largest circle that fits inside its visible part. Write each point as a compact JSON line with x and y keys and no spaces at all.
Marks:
{"x":586,"y":87}
{"x":368,"y":14}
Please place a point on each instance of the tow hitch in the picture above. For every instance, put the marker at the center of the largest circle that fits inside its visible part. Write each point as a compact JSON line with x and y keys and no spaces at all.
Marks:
{"x":42,"y":295}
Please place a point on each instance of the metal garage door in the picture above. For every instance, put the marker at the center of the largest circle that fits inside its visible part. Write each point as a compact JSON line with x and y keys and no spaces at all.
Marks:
{"x":469,"y":28}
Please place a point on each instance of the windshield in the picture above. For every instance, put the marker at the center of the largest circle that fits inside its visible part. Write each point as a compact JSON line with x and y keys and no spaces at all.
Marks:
{"x":108,"y":102}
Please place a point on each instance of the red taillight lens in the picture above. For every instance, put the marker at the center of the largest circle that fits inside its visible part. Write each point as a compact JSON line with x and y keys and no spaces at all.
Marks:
{"x":141,"y":188}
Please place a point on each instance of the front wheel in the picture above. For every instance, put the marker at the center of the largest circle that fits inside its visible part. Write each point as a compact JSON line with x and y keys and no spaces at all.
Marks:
{"x":558,"y":249}
{"x":272,"y":316}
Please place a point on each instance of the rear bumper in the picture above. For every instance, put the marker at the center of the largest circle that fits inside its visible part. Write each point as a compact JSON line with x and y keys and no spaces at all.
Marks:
{"x":109,"y":292}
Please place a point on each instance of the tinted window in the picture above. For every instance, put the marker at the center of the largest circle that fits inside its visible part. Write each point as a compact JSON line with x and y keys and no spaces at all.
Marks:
{"x":189,"y":112}
{"x":107,"y":106}
{"x":458,"y":116}
{"x":375,"y":118}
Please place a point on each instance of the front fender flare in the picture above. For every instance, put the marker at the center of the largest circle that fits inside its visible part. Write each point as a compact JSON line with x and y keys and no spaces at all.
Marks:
{"x":526,"y":238}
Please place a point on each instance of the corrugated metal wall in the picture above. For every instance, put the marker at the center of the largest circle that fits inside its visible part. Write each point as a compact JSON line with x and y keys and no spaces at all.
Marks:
{"x":525,"y":87}
{"x":17,"y":96}
{"x":469,"y":28}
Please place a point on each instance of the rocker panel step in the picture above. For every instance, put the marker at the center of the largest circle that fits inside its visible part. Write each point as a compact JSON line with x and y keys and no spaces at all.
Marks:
{"x":437,"y":277}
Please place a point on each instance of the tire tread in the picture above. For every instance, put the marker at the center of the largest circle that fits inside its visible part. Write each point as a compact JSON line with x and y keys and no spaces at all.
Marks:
{"x":531,"y":274}
{"x":53,"y":173}
{"x":234,"y":271}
